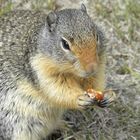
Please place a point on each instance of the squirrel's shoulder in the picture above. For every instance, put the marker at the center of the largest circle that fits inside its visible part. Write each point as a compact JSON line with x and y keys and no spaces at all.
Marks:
{"x":18,"y":27}
{"x":20,"y":21}
{"x":19,"y":14}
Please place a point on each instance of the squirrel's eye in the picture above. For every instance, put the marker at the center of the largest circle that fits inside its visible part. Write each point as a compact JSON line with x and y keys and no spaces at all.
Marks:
{"x":97,"y":38}
{"x":65,"y":44}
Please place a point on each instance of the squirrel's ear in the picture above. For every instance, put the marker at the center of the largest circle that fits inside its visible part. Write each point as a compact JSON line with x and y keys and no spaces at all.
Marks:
{"x":83,"y":8}
{"x":51,"y":20}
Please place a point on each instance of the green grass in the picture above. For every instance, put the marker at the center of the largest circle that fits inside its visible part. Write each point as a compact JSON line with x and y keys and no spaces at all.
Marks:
{"x":5,"y":7}
{"x":41,"y":4}
{"x":128,"y":13}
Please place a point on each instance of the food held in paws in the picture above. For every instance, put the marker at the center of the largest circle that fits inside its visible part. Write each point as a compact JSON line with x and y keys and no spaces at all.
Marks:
{"x":95,"y":94}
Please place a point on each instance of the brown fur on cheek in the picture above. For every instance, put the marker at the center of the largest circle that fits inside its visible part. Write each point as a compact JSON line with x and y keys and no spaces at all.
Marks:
{"x":87,"y":56}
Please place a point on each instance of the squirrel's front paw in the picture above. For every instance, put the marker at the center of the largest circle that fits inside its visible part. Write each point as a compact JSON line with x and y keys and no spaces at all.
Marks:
{"x":85,"y":101}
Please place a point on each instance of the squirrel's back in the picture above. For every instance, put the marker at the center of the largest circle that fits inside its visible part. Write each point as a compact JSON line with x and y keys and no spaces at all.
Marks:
{"x":18,"y":42}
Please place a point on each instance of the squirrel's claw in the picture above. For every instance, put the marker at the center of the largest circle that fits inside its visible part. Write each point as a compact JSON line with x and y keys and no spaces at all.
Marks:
{"x":107,"y":100}
{"x":103,"y":103}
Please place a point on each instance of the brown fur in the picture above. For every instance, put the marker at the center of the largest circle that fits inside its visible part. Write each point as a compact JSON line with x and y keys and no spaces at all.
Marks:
{"x":63,"y":89}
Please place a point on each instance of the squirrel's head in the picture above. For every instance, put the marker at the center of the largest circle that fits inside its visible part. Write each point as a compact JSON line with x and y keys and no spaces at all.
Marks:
{"x":73,"y":41}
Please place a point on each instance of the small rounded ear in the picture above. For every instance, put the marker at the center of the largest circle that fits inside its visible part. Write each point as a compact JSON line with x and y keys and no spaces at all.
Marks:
{"x":83,"y":8}
{"x":51,"y":20}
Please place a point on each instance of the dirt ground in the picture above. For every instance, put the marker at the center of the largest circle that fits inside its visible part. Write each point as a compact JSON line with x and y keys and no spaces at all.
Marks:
{"x":120,"y":21}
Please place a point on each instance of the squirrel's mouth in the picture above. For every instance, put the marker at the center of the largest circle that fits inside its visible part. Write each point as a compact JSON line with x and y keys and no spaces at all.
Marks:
{"x":88,"y":71}
{"x":85,"y":74}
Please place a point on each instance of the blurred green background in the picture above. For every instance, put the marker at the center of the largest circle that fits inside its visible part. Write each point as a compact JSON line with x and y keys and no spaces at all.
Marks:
{"x":120,"y":21}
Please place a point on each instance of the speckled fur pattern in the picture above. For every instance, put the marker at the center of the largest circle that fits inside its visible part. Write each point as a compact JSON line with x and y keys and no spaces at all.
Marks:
{"x":22,"y":115}
{"x":38,"y":80}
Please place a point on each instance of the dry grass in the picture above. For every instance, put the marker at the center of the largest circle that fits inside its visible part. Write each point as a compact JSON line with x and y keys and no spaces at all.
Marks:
{"x":120,"y":20}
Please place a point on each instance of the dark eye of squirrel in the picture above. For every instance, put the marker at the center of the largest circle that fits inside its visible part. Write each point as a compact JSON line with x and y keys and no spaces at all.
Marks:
{"x":65,"y":44}
{"x":97,"y":38}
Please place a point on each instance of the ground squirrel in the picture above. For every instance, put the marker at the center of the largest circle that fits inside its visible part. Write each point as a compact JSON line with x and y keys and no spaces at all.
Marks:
{"x":46,"y":64}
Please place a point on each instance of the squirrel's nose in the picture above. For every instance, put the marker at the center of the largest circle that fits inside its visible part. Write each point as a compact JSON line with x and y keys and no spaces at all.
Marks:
{"x":91,"y":68}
